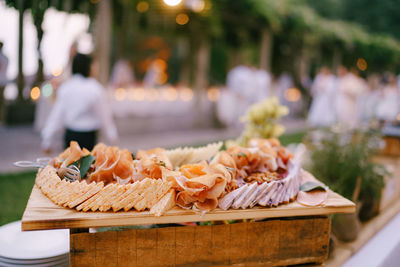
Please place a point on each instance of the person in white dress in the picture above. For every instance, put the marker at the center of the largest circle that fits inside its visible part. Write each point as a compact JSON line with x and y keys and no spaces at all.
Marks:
{"x":261,"y":80}
{"x":122,"y":74}
{"x":388,"y":106}
{"x":349,"y":88}
{"x":322,"y":111}
{"x":81,"y":109}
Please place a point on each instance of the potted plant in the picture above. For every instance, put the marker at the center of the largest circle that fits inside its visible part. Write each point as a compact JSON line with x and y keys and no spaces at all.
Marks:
{"x":343,"y":161}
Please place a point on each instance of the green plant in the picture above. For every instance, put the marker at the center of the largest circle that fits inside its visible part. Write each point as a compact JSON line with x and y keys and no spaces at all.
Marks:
{"x":262,"y":121}
{"x":343,"y":161}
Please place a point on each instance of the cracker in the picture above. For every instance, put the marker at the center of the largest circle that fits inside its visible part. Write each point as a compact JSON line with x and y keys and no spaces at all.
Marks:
{"x":166,"y":203}
{"x":94,"y":188}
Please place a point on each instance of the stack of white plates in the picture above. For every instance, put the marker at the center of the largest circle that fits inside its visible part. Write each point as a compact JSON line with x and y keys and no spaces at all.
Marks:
{"x":33,"y":248}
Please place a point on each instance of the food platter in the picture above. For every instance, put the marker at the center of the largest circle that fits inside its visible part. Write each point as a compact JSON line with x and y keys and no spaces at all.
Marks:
{"x":263,"y":180}
{"x":41,"y":213}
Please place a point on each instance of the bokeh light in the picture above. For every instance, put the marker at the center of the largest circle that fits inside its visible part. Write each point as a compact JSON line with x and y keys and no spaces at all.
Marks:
{"x":196,"y":5}
{"x":292,"y":94}
{"x":213,"y":94}
{"x":186,"y":94}
{"x":57,"y":71}
{"x":170,"y":94}
{"x":47,"y":90}
{"x":362,"y":64}
{"x":162,"y":78}
{"x":160,"y":64}
{"x":35,"y":93}
{"x":138,"y":94}
{"x":152,"y":95}
{"x":120,"y":94}
{"x":142,"y":6}
{"x":172,"y":2}
{"x":182,"y":19}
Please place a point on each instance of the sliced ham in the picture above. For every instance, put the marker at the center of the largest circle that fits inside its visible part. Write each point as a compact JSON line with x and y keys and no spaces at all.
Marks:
{"x":312,"y":198}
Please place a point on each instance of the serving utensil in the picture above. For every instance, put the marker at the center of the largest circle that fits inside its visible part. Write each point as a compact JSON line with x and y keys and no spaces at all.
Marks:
{"x":71,"y":172}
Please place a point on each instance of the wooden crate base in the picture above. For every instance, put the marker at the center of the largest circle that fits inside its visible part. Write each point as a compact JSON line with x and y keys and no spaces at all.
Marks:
{"x":274,"y":242}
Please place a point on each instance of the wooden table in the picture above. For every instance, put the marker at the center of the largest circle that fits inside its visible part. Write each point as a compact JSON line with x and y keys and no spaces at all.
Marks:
{"x":288,"y":234}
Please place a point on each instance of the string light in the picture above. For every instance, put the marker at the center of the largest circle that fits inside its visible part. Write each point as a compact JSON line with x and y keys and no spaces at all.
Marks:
{"x":152,"y":95}
{"x":186,"y":94}
{"x":138,"y":94}
{"x":182,"y":19}
{"x":292,"y":94}
{"x":213,"y":94}
{"x":35,"y":93}
{"x":172,"y":2}
{"x":57,"y":71}
{"x":142,"y":7}
{"x":47,"y":90}
{"x":120,"y":94}
{"x":362,"y":64}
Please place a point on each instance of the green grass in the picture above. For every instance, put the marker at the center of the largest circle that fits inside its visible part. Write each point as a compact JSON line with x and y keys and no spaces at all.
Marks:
{"x":16,"y":188}
{"x":296,"y":137}
{"x":14,"y":193}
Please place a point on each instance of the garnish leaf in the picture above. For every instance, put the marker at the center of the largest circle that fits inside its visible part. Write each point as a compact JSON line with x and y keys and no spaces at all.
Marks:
{"x":241,"y":154}
{"x":162,"y":163}
{"x":84,"y":164}
{"x":310,"y":186}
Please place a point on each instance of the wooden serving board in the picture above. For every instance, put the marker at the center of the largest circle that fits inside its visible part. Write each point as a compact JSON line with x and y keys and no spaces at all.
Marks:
{"x":41,"y":213}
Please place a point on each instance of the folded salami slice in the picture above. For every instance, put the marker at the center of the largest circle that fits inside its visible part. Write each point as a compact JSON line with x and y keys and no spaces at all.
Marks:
{"x":264,"y":201}
{"x":238,"y":202}
{"x":226,"y":202}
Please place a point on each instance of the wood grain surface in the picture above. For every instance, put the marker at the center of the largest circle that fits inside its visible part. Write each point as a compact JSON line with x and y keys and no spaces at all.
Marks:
{"x":274,"y":242}
{"x":41,"y":214}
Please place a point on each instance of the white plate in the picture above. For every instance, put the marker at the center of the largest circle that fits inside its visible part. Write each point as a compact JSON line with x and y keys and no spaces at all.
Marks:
{"x":37,"y":261}
{"x":48,"y":264}
{"x":15,"y":244}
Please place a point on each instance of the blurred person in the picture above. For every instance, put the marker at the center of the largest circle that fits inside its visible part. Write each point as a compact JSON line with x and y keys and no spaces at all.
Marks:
{"x":45,"y":104}
{"x":235,"y":100}
{"x":370,"y":99}
{"x":80,"y":109}
{"x":3,"y":82}
{"x":284,"y":82}
{"x":388,"y":105}
{"x":153,"y":74}
{"x":322,"y":111}
{"x":122,"y":74}
{"x":349,"y":89}
{"x":261,"y":80}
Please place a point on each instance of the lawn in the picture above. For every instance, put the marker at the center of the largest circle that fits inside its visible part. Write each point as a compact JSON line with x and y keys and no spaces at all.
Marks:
{"x":14,"y":193}
{"x":16,"y":188}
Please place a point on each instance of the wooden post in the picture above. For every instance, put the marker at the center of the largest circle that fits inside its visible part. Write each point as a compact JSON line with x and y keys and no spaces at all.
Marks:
{"x":201,"y":76}
{"x":20,"y":77}
{"x":266,"y":49}
{"x":336,"y":58}
{"x":103,"y":40}
{"x":183,"y":48}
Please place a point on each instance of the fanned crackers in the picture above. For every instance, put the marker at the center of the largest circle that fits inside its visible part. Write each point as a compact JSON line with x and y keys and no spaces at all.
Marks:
{"x":140,"y":195}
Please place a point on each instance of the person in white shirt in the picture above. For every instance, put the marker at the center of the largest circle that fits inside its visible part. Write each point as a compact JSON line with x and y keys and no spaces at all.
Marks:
{"x":80,"y":108}
{"x":3,"y":81}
